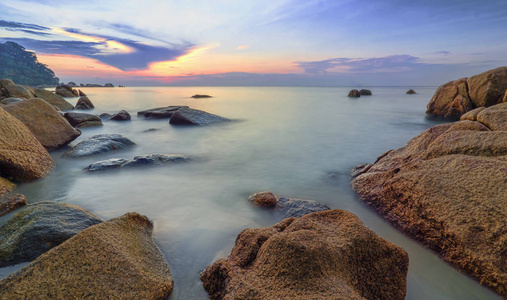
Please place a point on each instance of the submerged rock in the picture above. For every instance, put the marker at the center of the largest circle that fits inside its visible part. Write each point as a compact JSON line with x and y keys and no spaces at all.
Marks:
{"x":53,"y":99}
{"x":291,"y":207}
{"x":201,"y":96}
{"x":324,"y":255}
{"x":84,"y":103}
{"x":122,"y":115}
{"x":411,"y":92}
{"x":82,"y":120}
{"x":99,"y":144}
{"x":189,"y":116}
{"x":354,"y":93}
{"x":365,"y":92}
{"x":137,"y":161}
{"x":116,"y":259}
{"x":446,"y":188}
{"x":47,"y":125}
{"x":22,"y":157}
{"x":39,"y":227}
{"x":159,"y":112}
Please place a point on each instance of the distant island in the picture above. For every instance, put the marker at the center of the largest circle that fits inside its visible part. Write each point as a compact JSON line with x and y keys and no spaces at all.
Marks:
{"x":22,"y":66}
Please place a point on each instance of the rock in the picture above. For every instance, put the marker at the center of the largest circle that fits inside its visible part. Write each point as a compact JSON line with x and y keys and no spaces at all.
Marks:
{"x":324,"y":255}
{"x":72,"y":84}
{"x":66,"y":91}
{"x":495,"y":117}
{"x":84,"y":103}
{"x":201,"y":96}
{"x":39,"y":227}
{"x":446,"y":188}
{"x":4,"y":82}
{"x":354,"y":93}
{"x":358,"y":170}
{"x":11,"y":203}
{"x":116,"y":259}
{"x":189,"y":116}
{"x":411,"y":92}
{"x":46,"y":124}
{"x":266,"y":199}
{"x":299,"y":207}
{"x":365,"y":92}
{"x":81,"y":120}
{"x":450,"y":101}
{"x":122,"y":115}
{"x":108,"y":85}
{"x":7,"y":101}
{"x":22,"y":157}
{"x":93,"y":85}
{"x":99,"y":144}
{"x":488,"y":88}
{"x":137,"y":161}
{"x":472,"y":115}
{"x":105,"y":116}
{"x":159,"y":112}
{"x":18,"y":91}
{"x":6,"y":187}
{"x":80,"y":93}
{"x":53,"y":99}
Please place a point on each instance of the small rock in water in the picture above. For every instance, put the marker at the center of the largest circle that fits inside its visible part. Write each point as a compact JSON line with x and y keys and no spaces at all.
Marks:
{"x":84,"y":103}
{"x":105,"y":116}
{"x":122,"y":115}
{"x":108,"y":164}
{"x":82,"y":120}
{"x":354,"y":93}
{"x":201,"y":96}
{"x":299,"y":207}
{"x":159,"y":112}
{"x":411,"y":92}
{"x":266,"y":199}
{"x":99,"y":144}
{"x":189,"y":116}
{"x":138,"y":161}
{"x":365,"y":92}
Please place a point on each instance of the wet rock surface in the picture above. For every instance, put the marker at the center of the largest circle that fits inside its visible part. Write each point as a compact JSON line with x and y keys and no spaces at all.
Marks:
{"x":354,"y":94}
{"x":446,"y":188}
{"x":122,"y":115}
{"x":137,"y":161}
{"x":66,"y":91}
{"x":39,"y":227}
{"x":290,"y":207}
{"x":84,"y":103}
{"x":189,"y":116}
{"x":116,"y":259}
{"x":82,"y":120}
{"x":11,"y":203}
{"x":160,"y":112}
{"x":323,"y":255}
{"x":99,"y":144}
{"x":53,"y":99}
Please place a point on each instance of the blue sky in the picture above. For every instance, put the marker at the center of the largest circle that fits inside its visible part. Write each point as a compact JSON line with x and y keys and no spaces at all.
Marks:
{"x":261,"y":42}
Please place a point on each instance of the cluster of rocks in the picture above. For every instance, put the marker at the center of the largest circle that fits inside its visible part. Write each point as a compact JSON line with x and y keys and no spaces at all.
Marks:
{"x":355,"y":93}
{"x":455,"y":98}
{"x":290,"y":207}
{"x":447,"y":188}
{"x":73,"y":84}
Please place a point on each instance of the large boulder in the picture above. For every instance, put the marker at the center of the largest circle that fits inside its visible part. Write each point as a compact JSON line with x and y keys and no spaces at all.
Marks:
{"x":18,"y":91}
{"x":53,"y":99}
{"x":39,"y":227}
{"x":22,"y":157}
{"x":488,"y":88}
{"x":82,"y":120}
{"x":159,"y":112}
{"x":99,"y":144}
{"x":84,"y":103}
{"x":446,"y":188}
{"x":189,"y":116}
{"x":10,"y":100}
{"x":137,"y":161}
{"x":451,"y":100}
{"x":116,"y":259}
{"x":324,"y":255}
{"x":51,"y":129}
{"x":66,"y":91}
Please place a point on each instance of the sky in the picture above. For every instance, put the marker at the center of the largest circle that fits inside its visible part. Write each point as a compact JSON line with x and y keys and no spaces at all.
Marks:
{"x":261,"y":42}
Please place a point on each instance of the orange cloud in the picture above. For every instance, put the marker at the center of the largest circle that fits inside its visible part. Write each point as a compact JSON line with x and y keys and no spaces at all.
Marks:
{"x":242,"y":47}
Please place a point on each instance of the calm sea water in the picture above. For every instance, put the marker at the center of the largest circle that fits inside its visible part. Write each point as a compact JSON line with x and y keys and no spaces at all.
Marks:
{"x":294,"y":142}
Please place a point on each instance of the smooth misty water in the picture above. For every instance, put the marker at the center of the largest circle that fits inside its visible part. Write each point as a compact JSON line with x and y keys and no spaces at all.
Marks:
{"x":295,"y":142}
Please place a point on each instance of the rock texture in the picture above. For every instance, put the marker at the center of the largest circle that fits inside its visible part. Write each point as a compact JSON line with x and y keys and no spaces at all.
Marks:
{"x":99,"y":144}
{"x":365,"y":92}
{"x":446,"y":188}
{"x":411,"y":92}
{"x":11,"y":203}
{"x":6,"y":187}
{"x":455,"y":98}
{"x":22,"y":157}
{"x":137,"y":161}
{"x":122,"y":115}
{"x":324,"y":255}
{"x":53,"y":99}
{"x":7,"y":101}
{"x":18,"y":91}
{"x":189,"y":116}
{"x":39,"y":227}
{"x":354,"y":94}
{"x":46,"y":124}
{"x":266,"y":199}
{"x":160,"y":112}
{"x":82,"y":120}
{"x":290,"y":207}
{"x":66,"y":91}
{"x":84,"y":103}
{"x":116,"y":259}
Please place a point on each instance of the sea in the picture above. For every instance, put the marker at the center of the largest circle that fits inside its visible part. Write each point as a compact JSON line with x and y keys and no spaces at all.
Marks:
{"x":297,"y":142}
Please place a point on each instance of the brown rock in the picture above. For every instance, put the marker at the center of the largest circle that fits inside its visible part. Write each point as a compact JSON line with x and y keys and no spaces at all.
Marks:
{"x":411,"y":92}
{"x":266,"y":199}
{"x":354,"y":93}
{"x":116,"y":260}
{"x":446,"y":188}
{"x":324,"y":255}
{"x":451,"y":100}
{"x":11,"y":203}
{"x":81,"y":93}
{"x":4,"y":82}
{"x":6,"y":187}
{"x":494,"y":117}
{"x":488,"y":88}
{"x":365,"y":92}
{"x":18,"y":91}
{"x":53,"y":99}
{"x":47,"y":125}
{"x":84,"y":103}
{"x":82,"y":120}
{"x":22,"y":157}
{"x":472,"y":115}
{"x":66,"y":91}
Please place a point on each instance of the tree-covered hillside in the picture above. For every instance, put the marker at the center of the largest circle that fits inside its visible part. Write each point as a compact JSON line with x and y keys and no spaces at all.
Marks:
{"x":22,"y":67}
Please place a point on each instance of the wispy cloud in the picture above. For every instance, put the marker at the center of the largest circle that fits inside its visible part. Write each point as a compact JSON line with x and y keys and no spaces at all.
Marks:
{"x":242,"y":47}
{"x":17,"y":25}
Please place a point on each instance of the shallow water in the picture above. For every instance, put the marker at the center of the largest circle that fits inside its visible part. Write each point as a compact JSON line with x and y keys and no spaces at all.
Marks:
{"x":295,"y":142}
